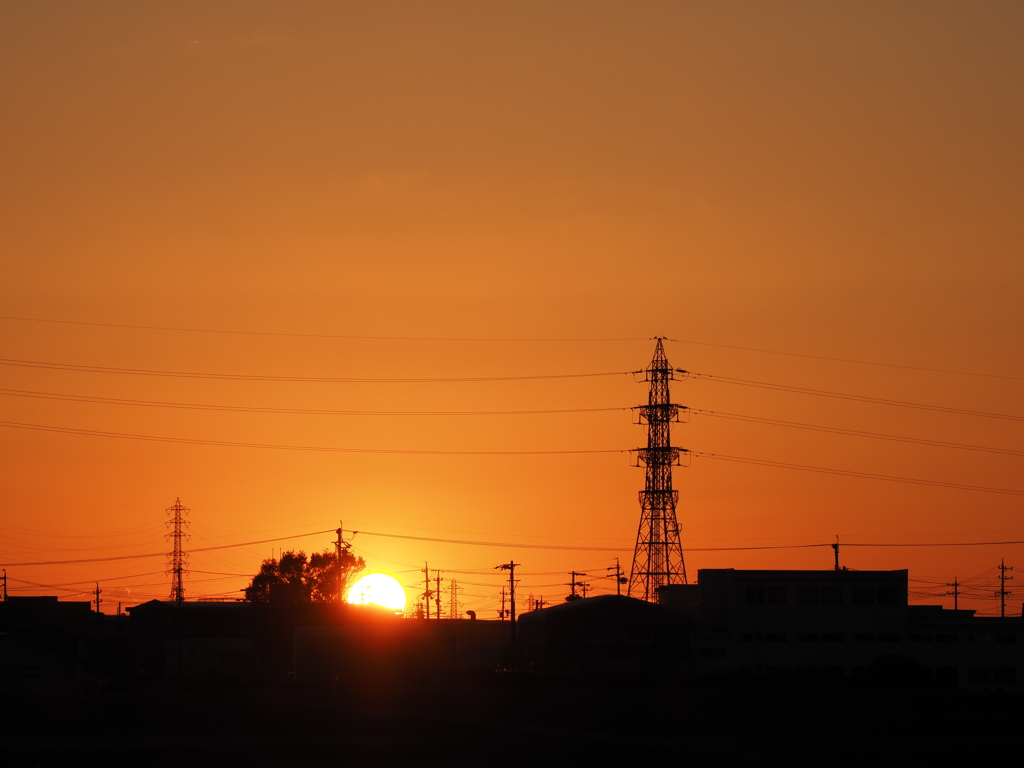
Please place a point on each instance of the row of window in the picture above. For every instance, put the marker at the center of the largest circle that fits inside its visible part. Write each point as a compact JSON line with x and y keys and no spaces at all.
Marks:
{"x":819,"y":637}
{"x":943,"y":675}
{"x":831,"y":594}
{"x":871,"y":637}
{"x":949,"y":637}
{"x":992,"y":676}
{"x":814,"y":670}
{"x":941,"y":637}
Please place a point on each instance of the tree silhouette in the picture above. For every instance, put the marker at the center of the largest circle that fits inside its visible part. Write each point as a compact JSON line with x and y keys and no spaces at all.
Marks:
{"x":296,"y":579}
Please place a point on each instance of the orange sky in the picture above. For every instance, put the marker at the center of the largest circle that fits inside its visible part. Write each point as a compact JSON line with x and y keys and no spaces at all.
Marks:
{"x":838,"y":179}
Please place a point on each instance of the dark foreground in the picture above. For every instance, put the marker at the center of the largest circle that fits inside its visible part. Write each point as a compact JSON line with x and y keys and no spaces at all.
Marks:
{"x":512,"y":721}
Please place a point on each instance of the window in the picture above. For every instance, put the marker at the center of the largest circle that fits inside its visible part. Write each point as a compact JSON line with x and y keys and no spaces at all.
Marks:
{"x":755,"y":595}
{"x":806,"y":595}
{"x":946,"y":638}
{"x":888,"y":637}
{"x":863,"y":595}
{"x":946,"y":677}
{"x":807,"y":637}
{"x":831,"y":637}
{"x":775,"y":637}
{"x":980,"y":675}
{"x":919,"y":638}
{"x":863,"y":638}
{"x":1006,"y":638}
{"x":1004,"y":675}
{"x":777,"y":595}
{"x":890,"y":596}
{"x":831,"y":595}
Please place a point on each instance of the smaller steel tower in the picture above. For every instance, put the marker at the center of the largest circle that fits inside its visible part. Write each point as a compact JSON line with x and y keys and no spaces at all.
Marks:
{"x":177,"y":559}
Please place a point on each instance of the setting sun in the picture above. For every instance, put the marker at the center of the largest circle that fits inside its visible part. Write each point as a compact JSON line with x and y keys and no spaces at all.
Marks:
{"x":378,"y":589}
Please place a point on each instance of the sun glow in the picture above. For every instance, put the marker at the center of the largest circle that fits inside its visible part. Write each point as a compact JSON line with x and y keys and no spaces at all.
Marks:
{"x":377,"y":589}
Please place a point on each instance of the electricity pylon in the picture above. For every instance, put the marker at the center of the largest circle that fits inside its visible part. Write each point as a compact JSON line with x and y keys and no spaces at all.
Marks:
{"x":177,"y":560}
{"x":658,"y":556}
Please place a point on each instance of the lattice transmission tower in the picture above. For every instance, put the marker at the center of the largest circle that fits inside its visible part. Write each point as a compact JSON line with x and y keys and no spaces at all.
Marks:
{"x":658,"y":557}
{"x":453,"y":600}
{"x":177,"y":559}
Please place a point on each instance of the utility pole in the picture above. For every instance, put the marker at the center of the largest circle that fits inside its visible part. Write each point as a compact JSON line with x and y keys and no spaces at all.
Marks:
{"x":955,"y":593}
{"x":573,"y":583}
{"x":835,"y":549}
{"x":177,"y":560}
{"x":426,"y":591}
{"x":1002,"y":594}
{"x":98,"y":601}
{"x":658,"y":555}
{"x":511,"y":568}
{"x":437,"y":595}
{"x":5,"y":585}
{"x":619,"y":578}
{"x":502,"y":612}
{"x":340,"y":547}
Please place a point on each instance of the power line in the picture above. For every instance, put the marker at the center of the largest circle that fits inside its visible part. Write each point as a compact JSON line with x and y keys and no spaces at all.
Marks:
{"x":855,"y":432}
{"x":395,"y":451}
{"x":305,"y":335}
{"x":493,"y":543}
{"x":258,"y":409}
{"x":852,"y":473}
{"x":509,"y":545}
{"x":850,"y":360}
{"x":164,"y":554}
{"x":941,"y":544}
{"x":569,"y":547}
{"x":319,"y":379}
{"x":231,"y":444}
{"x":856,"y":398}
{"x":502,"y":339}
{"x":64,"y":585}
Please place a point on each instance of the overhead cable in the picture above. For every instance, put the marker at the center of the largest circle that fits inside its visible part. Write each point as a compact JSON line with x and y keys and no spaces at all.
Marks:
{"x":393,"y":451}
{"x":515,"y":545}
{"x":260,"y":409}
{"x":164,"y":554}
{"x":851,"y":360}
{"x":312,"y":335}
{"x":502,"y":339}
{"x":231,"y":444}
{"x":847,"y":396}
{"x":852,"y":473}
{"x":856,"y":432}
{"x":318,"y":379}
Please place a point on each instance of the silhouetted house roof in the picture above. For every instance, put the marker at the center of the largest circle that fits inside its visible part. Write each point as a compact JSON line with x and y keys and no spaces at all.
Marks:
{"x":372,"y":646}
{"x":45,"y":644}
{"x":165,"y":618}
{"x":605,"y":634}
{"x":44,"y":615}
